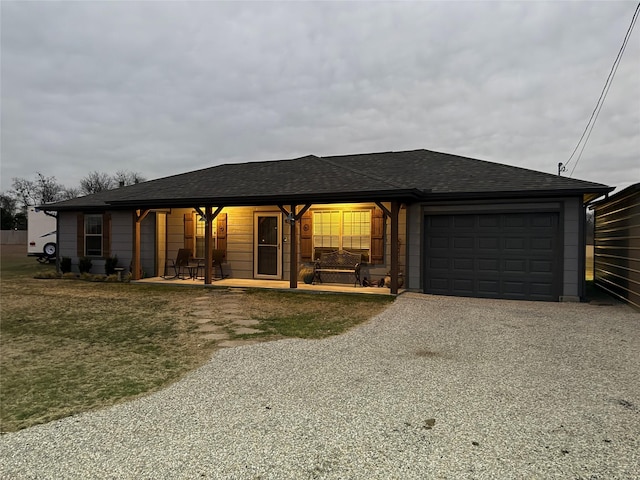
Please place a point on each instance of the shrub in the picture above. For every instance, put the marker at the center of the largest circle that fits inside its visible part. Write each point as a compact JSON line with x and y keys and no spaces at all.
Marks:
{"x":90,"y":277}
{"x":112,"y":278}
{"x":85,"y":264}
{"x":69,"y":275}
{"x":110,"y":265}
{"x":47,"y":275}
{"x":65,"y":265}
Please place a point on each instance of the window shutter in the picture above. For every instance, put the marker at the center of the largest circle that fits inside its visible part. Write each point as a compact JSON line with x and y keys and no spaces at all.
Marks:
{"x":106,"y":235}
{"x":80,"y":235}
{"x":306,"y":237}
{"x":189,"y":231}
{"x":377,"y":236}
{"x":221,"y":233}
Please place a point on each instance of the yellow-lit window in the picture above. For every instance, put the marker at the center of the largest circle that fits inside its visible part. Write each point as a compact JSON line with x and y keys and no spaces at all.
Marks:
{"x":200,"y":229}
{"x":342,"y":230}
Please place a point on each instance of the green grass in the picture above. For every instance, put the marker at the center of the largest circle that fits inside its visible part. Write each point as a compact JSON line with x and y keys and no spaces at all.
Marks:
{"x":70,"y":346}
{"x":311,"y":315}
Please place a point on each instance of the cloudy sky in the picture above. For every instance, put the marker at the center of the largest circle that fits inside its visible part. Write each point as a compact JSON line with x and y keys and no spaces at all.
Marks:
{"x":167,"y":87}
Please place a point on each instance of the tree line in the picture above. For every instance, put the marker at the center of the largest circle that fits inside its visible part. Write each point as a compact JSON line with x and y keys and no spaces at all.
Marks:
{"x":43,"y":189}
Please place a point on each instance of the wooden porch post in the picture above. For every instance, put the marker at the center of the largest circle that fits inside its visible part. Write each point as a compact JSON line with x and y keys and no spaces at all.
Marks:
{"x":138,"y":216}
{"x":395,"y":213}
{"x":208,"y":229}
{"x":293,"y":246}
{"x":293,"y":257}
{"x":209,"y":216}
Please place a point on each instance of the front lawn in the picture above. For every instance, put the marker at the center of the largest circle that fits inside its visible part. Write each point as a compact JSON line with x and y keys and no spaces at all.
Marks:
{"x":70,"y":346}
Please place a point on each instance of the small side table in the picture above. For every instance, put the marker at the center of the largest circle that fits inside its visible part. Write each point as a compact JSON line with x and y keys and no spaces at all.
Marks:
{"x":119,"y":271}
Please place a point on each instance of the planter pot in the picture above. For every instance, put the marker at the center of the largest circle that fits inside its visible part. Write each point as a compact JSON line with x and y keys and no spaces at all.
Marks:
{"x":306,"y":274}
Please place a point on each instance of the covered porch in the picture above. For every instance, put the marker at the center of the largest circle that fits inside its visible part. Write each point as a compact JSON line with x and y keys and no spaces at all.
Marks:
{"x":269,"y":284}
{"x":294,"y":245}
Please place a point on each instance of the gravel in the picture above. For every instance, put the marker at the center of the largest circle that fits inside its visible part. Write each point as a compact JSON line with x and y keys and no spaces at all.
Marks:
{"x":434,"y":387}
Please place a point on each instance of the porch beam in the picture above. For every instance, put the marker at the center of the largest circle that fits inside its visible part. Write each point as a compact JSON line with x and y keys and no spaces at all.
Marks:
{"x":395,"y":213}
{"x":284,"y":210}
{"x":293,"y":250}
{"x":209,"y":216}
{"x":384,"y":209}
{"x":141,"y":214}
{"x":299,"y":215}
{"x":293,"y":241}
{"x":215,"y":214}
{"x":138,"y":216}
{"x":296,"y":216}
{"x":208,"y":221}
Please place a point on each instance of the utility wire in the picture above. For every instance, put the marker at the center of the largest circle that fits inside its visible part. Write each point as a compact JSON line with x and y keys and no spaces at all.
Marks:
{"x":603,"y":95}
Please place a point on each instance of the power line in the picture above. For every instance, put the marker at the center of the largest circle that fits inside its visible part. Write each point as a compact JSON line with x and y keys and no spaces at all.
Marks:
{"x":603,"y":95}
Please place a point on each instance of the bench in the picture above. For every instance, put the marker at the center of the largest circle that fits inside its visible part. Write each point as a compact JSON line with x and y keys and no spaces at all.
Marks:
{"x":339,"y":261}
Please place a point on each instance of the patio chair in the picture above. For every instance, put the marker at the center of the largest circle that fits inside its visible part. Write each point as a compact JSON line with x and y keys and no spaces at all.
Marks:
{"x":217,"y":256}
{"x":179,"y":265}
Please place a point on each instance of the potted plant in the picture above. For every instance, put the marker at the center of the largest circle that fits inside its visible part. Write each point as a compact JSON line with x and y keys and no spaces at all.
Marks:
{"x":306,"y":274}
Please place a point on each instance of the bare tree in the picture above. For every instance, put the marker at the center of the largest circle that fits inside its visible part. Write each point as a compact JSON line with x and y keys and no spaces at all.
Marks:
{"x":69,"y":193}
{"x":125,"y":177}
{"x":24,"y":192}
{"x":42,"y":190}
{"x":7,"y":211}
{"x":8,"y":203}
{"x":47,"y":189}
{"x":96,"y":182}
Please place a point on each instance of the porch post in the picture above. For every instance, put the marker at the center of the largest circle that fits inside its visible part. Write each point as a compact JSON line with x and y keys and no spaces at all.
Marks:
{"x":395,"y":211}
{"x":293,"y":262}
{"x":208,"y":230}
{"x":138,"y":216}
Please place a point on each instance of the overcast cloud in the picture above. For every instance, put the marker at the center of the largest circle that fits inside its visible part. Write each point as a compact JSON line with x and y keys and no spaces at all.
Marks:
{"x":168,"y":87}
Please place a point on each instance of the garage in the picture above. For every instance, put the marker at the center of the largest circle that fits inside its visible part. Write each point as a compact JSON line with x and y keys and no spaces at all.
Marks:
{"x":503,"y":255}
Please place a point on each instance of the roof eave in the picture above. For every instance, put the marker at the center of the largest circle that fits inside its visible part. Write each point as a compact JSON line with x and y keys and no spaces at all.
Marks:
{"x":631,"y":189}
{"x":595,"y":192}
{"x":405,"y":195}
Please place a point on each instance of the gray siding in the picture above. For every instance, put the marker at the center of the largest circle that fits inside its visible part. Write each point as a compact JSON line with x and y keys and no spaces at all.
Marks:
{"x":147,"y":244}
{"x":414,"y":247}
{"x":617,"y":245}
{"x":121,"y":240}
{"x":574,"y":249}
{"x":67,"y":247}
{"x":122,"y":237}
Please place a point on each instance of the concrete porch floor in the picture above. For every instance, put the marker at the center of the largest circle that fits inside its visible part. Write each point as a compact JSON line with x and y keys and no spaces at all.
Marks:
{"x":272,"y":284}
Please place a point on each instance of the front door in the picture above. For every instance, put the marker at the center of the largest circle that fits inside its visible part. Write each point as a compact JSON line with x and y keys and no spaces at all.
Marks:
{"x":267,"y":260}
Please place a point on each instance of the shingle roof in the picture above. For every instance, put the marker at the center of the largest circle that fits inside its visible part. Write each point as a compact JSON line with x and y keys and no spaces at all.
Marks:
{"x":408,"y":175}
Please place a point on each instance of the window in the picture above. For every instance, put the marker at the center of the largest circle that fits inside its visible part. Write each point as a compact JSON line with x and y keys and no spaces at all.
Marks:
{"x":342,"y":230}
{"x":200,"y":229}
{"x":93,"y":235}
{"x":200,"y":237}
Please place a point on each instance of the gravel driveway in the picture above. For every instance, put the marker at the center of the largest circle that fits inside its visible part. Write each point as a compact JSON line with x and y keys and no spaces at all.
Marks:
{"x":435,"y":387}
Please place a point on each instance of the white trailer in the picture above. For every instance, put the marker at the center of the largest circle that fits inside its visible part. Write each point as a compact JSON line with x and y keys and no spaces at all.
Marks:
{"x":41,"y":235}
